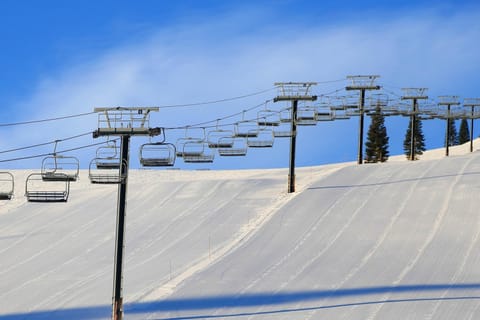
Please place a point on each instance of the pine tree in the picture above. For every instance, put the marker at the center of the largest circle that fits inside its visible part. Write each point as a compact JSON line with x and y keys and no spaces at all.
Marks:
{"x":419,"y":139}
{"x":453,"y":136}
{"x":377,"y":140}
{"x":464,"y":133}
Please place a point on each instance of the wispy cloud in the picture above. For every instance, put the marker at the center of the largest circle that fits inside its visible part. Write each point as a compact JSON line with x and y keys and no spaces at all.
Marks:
{"x":216,"y":58}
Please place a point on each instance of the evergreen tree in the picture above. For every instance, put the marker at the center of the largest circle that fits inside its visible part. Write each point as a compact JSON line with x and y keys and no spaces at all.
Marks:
{"x":453,"y":136}
{"x":377,"y":140}
{"x":464,"y":133}
{"x":419,"y":139}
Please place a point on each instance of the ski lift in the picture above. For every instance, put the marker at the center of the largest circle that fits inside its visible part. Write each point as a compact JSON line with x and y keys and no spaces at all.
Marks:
{"x":108,"y":156}
{"x":104,"y":174}
{"x":264,"y":139}
{"x":190,"y":136}
{"x":324,"y":114}
{"x":37,"y":189}
{"x":158,"y":154}
{"x":7,"y":185}
{"x":197,"y":152}
{"x":268,"y":117}
{"x":283,"y":131}
{"x":238,"y":147}
{"x":353,"y":112}
{"x":59,"y":167}
{"x":340,"y":115}
{"x":306,"y":116}
{"x":286,"y":115}
{"x":246,"y":128}
{"x":350,"y":102}
{"x":220,"y":138}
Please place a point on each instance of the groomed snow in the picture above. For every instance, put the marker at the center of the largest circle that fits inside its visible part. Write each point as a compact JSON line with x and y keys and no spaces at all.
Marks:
{"x":379,"y":241}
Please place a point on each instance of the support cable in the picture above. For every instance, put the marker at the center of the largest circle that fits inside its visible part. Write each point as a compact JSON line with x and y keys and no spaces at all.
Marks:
{"x":46,"y":143}
{"x":58,"y":152}
{"x":45,"y":120}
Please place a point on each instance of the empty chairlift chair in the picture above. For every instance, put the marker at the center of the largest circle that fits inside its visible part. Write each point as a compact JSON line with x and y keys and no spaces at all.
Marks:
{"x":263,"y":139}
{"x":286,"y":115}
{"x":306,"y":116}
{"x":246,"y":129}
{"x":220,"y":138}
{"x":38,"y":189}
{"x":59,"y":168}
{"x":324,"y":114}
{"x":268,"y":118}
{"x":197,"y":152}
{"x":237,"y":147}
{"x":193,"y":136}
{"x":157,"y":154}
{"x":104,"y":175}
{"x":7,"y":185}
{"x":108,"y":157}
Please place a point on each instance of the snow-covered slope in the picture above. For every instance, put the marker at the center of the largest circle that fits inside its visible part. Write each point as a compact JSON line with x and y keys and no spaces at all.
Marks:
{"x":388,"y":241}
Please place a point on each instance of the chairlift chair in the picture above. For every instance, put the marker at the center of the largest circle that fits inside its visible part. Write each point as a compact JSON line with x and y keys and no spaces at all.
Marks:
{"x":220,"y":138}
{"x":286,"y":115}
{"x":353,"y":112}
{"x":340,"y":115}
{"x":37,"y":189}
{"x":237,"y":149}
{"x":324,"y":114}
{"x":158,"y":154}
{"x":283,"y":131}
{"x":264,"y":139}
{"x":104,"y":174}
{"x":191,"y":135}
{"x":60,"y":167}
{"x":268,"y":118}
{"x":306,"y":116}
{"x":108,"y":157}
{"x":180,"y":144}
{"x":197,"y":152}
{"x":7,"y":185}
{"x":246,"y":129}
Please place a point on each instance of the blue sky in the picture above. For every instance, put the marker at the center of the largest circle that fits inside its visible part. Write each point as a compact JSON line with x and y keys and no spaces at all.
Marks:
{"x":67,"y":57}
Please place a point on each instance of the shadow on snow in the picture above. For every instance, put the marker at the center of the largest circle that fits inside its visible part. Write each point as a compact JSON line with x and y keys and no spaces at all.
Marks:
{"x":275,"y":300}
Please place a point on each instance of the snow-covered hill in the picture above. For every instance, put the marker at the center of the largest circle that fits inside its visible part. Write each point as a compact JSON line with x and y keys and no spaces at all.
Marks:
{"x":379,"y":241}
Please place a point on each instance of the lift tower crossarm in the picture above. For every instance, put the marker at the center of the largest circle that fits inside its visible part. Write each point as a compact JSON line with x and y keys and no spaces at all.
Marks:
{"x":124,"y":121}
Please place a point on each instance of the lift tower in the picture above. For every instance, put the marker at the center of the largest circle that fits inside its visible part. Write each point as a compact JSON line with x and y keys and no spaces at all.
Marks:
{"x":294,"y":92}
{"x":448,"y":101}
{"x":124,"y":122}
{"x":362,"y":83}
{"x":413,"y":94}
{"x":473,"y":103}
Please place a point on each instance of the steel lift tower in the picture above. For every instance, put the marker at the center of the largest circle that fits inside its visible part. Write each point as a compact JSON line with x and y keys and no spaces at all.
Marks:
{"x":124,"y":122}
{"x":294,"y":92}
{"x":473,"y":103}
{"x":448,"y":101}
{"x":413,"y":94}
{"x":362,"y":83}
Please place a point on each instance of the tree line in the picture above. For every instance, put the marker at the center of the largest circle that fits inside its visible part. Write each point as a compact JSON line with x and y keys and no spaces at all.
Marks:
{"x":376,"y":146}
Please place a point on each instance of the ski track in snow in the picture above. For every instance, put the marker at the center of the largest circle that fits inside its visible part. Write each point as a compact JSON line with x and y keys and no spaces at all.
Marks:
{"x":204,"y":216}
{"x":431,"y":235}
{"x":309,"y":233}
{"x":80,"y":287}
